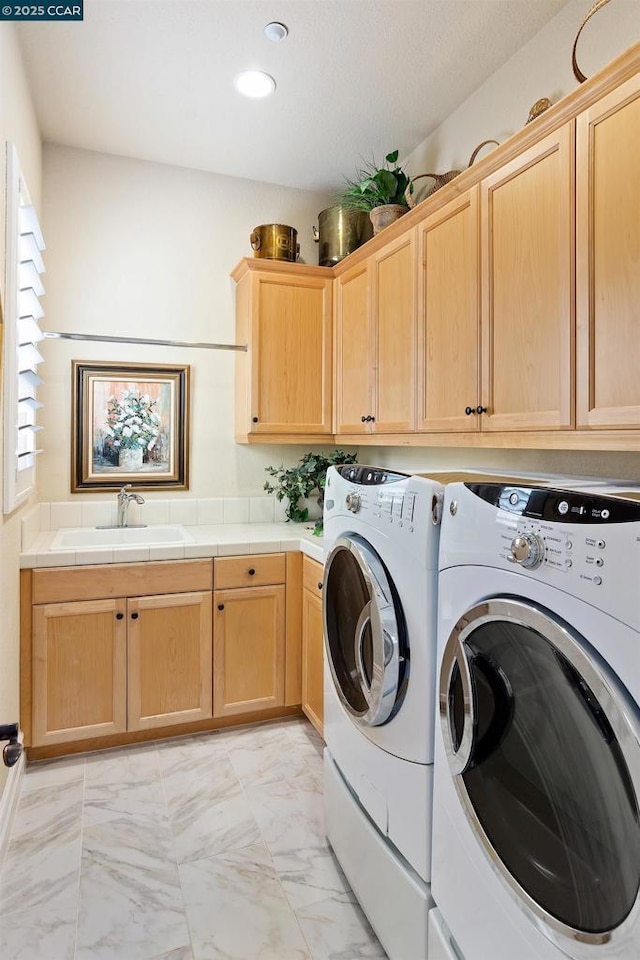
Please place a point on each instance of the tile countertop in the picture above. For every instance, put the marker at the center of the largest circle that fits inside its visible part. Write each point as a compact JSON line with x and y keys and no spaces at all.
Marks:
{"x":214,"y":540}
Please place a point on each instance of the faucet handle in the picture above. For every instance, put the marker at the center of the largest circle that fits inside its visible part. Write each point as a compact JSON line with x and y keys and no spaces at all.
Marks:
{"x":123,"y":489}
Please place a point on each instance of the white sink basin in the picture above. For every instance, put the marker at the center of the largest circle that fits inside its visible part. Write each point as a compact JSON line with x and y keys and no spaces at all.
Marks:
{"x":75,"y":537}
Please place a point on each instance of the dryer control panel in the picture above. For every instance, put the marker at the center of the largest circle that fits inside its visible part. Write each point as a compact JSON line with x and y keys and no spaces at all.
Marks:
{"x":584,"y":543}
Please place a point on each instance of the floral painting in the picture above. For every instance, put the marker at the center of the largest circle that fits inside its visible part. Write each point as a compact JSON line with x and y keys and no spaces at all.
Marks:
{"x":130,"y":426}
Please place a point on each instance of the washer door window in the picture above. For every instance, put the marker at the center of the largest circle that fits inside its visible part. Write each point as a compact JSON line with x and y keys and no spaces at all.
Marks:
{"x":364,"y":631}
{"x":545,"y":755}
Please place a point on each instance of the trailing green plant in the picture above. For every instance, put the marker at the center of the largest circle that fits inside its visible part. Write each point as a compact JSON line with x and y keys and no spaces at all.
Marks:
{"x":297,"y":483}
{"x":375,"y":186}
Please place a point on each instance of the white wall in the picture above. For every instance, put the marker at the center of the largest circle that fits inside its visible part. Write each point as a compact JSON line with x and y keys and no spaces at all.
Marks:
{"x":497,"y":109}
{"x":17,"y":124}
{"x":145,"y":249}
{"x":542,"y":68}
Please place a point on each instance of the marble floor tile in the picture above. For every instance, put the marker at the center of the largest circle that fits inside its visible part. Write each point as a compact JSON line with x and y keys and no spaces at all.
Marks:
{"x":133,"y":764}
{"x":34,"y":880}
{"x":200,"y":848}
{"x":111,"y":801}
{"x":52,"y":773}
{"x":237,"y":909}
{"x":204,"y":825}
{"x":47,"y":930}
{"x":130,"y":899}
{"x":48,"y":816}
{"x":337,"y":929}
{"x":274,"y":758}
{"x":309,"y":875}
{"x":290,"y":813}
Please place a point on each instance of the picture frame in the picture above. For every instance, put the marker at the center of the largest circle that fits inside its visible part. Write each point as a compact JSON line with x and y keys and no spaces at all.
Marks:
{"x":129,"y":424}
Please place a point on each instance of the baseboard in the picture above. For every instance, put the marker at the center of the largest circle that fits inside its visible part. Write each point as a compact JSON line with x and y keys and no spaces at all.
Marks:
{"x":9,"y":804}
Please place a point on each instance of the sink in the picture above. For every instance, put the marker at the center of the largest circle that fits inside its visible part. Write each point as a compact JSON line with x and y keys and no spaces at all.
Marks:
{"x":74,"y":537}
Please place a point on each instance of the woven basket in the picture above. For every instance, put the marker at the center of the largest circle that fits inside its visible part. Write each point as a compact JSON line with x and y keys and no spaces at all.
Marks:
{"x":440,"y":179}
{"x":577,"y":72}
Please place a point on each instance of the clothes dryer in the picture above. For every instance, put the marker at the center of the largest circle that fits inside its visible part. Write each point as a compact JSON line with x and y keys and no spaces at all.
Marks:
{"x":379,"y":600}
{"x":536,"y":818}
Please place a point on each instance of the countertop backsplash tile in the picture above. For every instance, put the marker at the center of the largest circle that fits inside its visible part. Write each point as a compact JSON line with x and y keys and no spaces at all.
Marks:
{"x":216,"y":526}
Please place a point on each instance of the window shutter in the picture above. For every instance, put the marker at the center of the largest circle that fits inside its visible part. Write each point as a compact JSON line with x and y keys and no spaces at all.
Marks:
{"x":22,"y":334}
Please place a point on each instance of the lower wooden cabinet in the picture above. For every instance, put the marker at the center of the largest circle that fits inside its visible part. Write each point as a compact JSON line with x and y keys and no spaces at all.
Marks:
{"x":102,"y":658}
{"x":312,"y":642}
{"x":249,"y":634}
{"x":105,"y":661}
{"x":79,"y":670}
{"x":168,"y":660}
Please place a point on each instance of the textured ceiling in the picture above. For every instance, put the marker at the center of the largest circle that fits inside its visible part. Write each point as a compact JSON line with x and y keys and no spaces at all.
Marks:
{"x":355,"y":78}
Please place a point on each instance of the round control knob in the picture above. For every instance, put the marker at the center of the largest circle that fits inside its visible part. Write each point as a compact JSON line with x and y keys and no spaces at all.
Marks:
{"x":527,"y":549}
{"x":563,"y":507}
{"x":352,"y":501}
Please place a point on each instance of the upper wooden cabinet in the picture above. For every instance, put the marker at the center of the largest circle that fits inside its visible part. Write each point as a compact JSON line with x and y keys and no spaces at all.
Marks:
{"x":527,"y":217}
{"x":608,"y":260}
{"x":284,"y":381}
{"x":376,"y":341}
{"x":449,"y":316}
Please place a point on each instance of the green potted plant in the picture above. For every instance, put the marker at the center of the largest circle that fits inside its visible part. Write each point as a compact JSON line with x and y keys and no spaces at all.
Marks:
{"x":380,"y":190}
{"x":299,"y":482}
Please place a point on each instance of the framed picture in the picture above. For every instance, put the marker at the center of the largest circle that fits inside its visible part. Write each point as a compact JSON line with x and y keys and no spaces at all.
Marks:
{"x":130,"y":424}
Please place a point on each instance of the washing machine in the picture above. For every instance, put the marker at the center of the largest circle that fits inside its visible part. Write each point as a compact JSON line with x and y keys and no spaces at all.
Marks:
{"x":536,"y":820}
{"x":379,"y":603}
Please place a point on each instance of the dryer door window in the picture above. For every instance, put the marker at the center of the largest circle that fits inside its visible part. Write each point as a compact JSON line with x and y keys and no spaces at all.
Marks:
{"x":545,"y":754}
{"x":365,"y":635}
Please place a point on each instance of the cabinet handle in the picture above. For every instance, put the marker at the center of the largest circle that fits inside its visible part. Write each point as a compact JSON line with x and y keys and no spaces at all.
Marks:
{"x":470,"y":410}
{"x":481,"y":409}
{"x":319,"y":586}
{"x":221,"y":606}
{"x":254,"y":419}
{"x":363,"y":419}
{"x":367,"y":419}
{"x":251,"y":572}
{"x":119,"y":616}
{"x":134,"y":616}
{"x":372,"y":419}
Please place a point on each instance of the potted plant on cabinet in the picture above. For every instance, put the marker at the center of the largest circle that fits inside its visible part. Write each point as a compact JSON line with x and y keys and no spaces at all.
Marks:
{"x":381,"y":190}
{"x":299,"y":482}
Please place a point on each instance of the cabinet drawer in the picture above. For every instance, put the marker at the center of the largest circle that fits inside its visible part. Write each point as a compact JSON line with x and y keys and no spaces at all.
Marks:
{"x":56,"y":585}
{"x":312,"y":573}
{"x":250,"y":571}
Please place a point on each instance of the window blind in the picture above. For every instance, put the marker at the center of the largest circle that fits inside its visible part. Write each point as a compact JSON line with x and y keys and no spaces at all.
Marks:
{"x":24,"y":288}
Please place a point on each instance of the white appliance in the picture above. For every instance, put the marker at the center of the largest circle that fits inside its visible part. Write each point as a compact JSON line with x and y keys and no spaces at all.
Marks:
{"x":379,"y":599}
{"x":536,"y":821}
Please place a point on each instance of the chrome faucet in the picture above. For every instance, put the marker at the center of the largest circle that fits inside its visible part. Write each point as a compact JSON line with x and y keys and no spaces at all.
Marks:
{"x":124,"y":499}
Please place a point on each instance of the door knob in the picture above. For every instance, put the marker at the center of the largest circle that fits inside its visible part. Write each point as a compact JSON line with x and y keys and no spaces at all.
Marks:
{"x":12,"y":751}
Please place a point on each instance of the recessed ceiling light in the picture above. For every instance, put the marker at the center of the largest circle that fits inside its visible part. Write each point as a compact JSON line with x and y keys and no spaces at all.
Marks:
{"x":254,"y":83}
{"x":276,"y":31}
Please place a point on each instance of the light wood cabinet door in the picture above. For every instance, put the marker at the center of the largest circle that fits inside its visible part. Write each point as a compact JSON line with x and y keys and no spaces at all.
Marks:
{"x":249,"y":642}
{"x":312,"y":643}
{"x":449,"y":317}
{"x":354,"y":373}
{"x":608,"y":260}
{"x":79,"y":670}
{"x":527,"y":214}
{"x":286,"y":319}
{"x":394,"y":300}
{"x":169,"y":659}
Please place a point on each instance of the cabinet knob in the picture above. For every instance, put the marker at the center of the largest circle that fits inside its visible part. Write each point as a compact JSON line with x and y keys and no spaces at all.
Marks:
{"x":119,"y":616}
{"x":372,"y":419}
{"x":134,"y":616}
{"x":254,"y":419}
{"x":481,"y":409}
{"x":221,"y":606}
{"x":363,"y":419}
{"x":319,"y":586}
{"x":251,"y":572}
{"x":469,"y":410}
